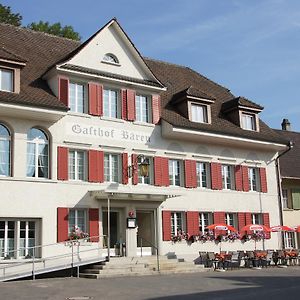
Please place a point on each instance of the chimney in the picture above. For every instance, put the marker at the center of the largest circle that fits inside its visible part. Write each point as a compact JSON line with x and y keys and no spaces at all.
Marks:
{"x":286,"y":125}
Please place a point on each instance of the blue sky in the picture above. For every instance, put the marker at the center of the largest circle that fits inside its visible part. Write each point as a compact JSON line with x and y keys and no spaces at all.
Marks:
{"x":251,"y":47}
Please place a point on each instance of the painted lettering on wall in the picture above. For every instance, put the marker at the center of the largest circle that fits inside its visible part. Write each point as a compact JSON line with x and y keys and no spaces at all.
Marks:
{"x":107,"y":133}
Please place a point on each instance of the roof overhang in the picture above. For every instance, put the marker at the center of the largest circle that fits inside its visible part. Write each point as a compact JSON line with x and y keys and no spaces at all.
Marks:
{"x":197,"y":135}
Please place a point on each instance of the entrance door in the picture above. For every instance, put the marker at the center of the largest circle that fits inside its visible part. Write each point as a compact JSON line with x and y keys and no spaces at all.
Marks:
{"x":114,"y":227}
{"x":145,"y":234}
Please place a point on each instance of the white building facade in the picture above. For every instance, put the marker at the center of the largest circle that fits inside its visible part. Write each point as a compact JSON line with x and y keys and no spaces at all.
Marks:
{"x":77,"y":120}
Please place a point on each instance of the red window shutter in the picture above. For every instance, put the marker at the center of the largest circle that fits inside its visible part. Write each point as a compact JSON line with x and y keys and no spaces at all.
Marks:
{"x":166,"y":225}
{"x":63,"y":90}
{"x":62,"y":224}
{"x":238,"y":178}
{"x":124,"y":168}
{"x":245,"y":178}
{"x":266,"y":220}
{"x":192,"y":222}
{"x":130,"y":105}
{"x":94,"y":224}
{"x":95,"y":166}
{"x":135,"y":174}
{"x":165,"y":171}
{"x":219,"y":218}
{"x":241,"y":221}
{"x":193,"y":174}
{"x":216,"y":176}
{"x":62,"y":163}
{"x":187,"y":173}
{"x":248,"y":218}
{"x":124,"y":105}
{"x":95,"y":99}
{"x":157,"y":171}
{"x":263,"y":180}
{"x":155,"y":109}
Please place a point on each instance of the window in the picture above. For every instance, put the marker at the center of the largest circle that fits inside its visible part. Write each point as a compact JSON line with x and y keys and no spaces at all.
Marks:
{"x":37,"y":154}
{"x":77,"y":165}
{"x":205,"y":219}
{"x":27,"y":238}
{"x":174,"y":172}
{"x":296,"y":198}
{"x":199,"y":113}
{"x":256,"y":219}
{"x":177,"y":223}
{"x":7,"y":238}
{"x":285,"y":198}
{"x":77,"y":97}
{"x":111,"y":167}
{"x":248,"y":122}
{"x":289,"y":240}
{"x":227,"y":177}
{"x":4,"y":151}
{"x":146,"y":179}
{"x":253,"y":179}
{"x":110,"y":58}
{"x":143,"y":108}
{"x":78,"y":219}
{"x":6,"y":80}
{"x":231,"y":219}
{"x":202,"y":174}
{"x":110,"y":103}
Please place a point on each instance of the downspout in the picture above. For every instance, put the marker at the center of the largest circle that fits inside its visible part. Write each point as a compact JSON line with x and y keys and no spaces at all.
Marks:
{"x":278,"y":175}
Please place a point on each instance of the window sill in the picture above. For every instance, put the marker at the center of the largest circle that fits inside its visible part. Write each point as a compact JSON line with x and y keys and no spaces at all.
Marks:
{"x":290,"y":209}
{"x":82,"y":115}
{"x":143,"y":124}
{"x":117,"y":120}
{"x":110,"y":63}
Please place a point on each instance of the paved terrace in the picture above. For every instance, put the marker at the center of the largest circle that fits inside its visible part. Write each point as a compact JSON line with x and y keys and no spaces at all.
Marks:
{"x":271,"y":283}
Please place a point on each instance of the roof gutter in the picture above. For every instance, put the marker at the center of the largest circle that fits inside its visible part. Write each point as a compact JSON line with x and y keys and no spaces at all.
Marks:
{"x":278,"y":175}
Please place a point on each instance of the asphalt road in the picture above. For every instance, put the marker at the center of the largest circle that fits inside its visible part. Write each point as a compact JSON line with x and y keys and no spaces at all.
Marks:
{"x":271,"y":283}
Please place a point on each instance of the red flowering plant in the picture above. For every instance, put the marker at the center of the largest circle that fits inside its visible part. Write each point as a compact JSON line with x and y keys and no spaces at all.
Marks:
{"x":231,"y":237}
{"x":77,"y":234}
{"x":181,"y":235}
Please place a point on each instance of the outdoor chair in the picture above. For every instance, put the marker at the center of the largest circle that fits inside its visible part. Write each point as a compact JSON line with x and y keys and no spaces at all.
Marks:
{"x":234,"y":261}
{"x":251,"y":260}
{"x":282,"y":257}
{"x":211,"y":260}
{"x":202,"y":259}
{"x":266,"y":262}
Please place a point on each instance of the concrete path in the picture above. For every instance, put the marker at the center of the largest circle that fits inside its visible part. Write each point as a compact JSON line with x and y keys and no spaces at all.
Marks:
{"x":271,"y":283}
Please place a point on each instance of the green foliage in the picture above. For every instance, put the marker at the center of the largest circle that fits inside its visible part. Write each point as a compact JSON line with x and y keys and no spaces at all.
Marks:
{"x":55,"y":29}
{"x":6,"y":16}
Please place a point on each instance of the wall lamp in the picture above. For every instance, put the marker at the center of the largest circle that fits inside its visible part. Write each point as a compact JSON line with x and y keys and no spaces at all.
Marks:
{"x":141,"y":165}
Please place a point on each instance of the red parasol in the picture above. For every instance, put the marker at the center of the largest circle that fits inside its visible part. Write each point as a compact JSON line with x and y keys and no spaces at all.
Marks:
{"x":297,"y":228}
{"x":280,"y":228}
{"x":221,"y":227}
{"x":256,"y":227}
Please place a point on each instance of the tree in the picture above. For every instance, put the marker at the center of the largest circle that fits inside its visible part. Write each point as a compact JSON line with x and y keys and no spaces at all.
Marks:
{"x":6,"y":16}
{"x":55,"y":29}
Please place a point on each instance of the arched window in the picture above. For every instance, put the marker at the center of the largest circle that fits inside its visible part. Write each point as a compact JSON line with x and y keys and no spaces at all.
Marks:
{"x":4,"y":151}
{"x":110,"y":58}
{"x":37,"y":154}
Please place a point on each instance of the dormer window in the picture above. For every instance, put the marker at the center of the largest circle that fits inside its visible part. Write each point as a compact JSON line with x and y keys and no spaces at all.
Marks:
{"x":110,"y":58}
{"x":6,"y":80}
{"x":199,"y":113}
{"x":248,"y":121}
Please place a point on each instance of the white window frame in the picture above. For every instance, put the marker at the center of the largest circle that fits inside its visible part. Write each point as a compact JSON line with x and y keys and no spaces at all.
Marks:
{"x":231,"y":219}
{"x":85,"y":214}
{"x":199,"y":113}
{"x":175,"y":217}
{"x":199,"y":168}
{"x":175,"y":164}
{"x":142,"y":179}
{"x":253,"y":175}
{"x":285,"y":199}
{"x":37,"y":142}
{"x":110,"y":58}
{"x":289,"y":240}
{"x":248,"y":121}
{"x":111,"y":175}
{"x":4,"y":139}
{"x":139,"y":108}
{"x":227,"y":172}
{"x":27,"y":236}
{"x":76,"y":167}
{"x":205,"y":219}
{"x":118,"y":101}
{"x":257,"y":219}
{"x":12,"y":79}
{"x":84,"y":96}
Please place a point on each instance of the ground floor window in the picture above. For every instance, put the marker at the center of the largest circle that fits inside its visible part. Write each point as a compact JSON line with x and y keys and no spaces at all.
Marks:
{"x":17,"y":234}
{"x":177,"y":223}
{"x":205,"y":219}
{"x":77,"y":219}
{"x":289,"y":239}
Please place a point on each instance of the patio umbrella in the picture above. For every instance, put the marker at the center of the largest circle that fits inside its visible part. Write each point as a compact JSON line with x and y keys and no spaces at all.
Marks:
{"x":297,"y":228}
{"x":223,"y":227}
{"x":281,"y":228}
{"x":256,"y":227}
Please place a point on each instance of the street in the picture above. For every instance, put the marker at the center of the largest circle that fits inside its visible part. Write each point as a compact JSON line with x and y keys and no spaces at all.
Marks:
{"x":271,"y":283}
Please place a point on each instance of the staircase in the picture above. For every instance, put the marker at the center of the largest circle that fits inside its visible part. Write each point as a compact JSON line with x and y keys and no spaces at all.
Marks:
{"x":139,"y":266}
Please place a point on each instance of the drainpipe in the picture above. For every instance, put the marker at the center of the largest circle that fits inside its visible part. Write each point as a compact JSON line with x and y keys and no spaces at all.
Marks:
{"x":278,"y":175}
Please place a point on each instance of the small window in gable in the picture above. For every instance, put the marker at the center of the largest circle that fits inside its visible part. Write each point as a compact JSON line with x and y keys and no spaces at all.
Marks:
{"x":199,"y":113}
{"x":249,"y":121}
{"x":6,"y":80}
{"x":110,"y":58}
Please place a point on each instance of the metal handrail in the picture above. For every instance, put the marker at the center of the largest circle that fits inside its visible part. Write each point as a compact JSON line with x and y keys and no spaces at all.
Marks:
{"x":34,"y":260}
{"x":152,"y":245}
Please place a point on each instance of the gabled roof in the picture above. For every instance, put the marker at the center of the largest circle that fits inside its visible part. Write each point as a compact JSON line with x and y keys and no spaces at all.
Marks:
{"x":240,"y":101}
{"x":8,"y":55}
{"x":193,"y":92}
{"x":290,"y":161}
